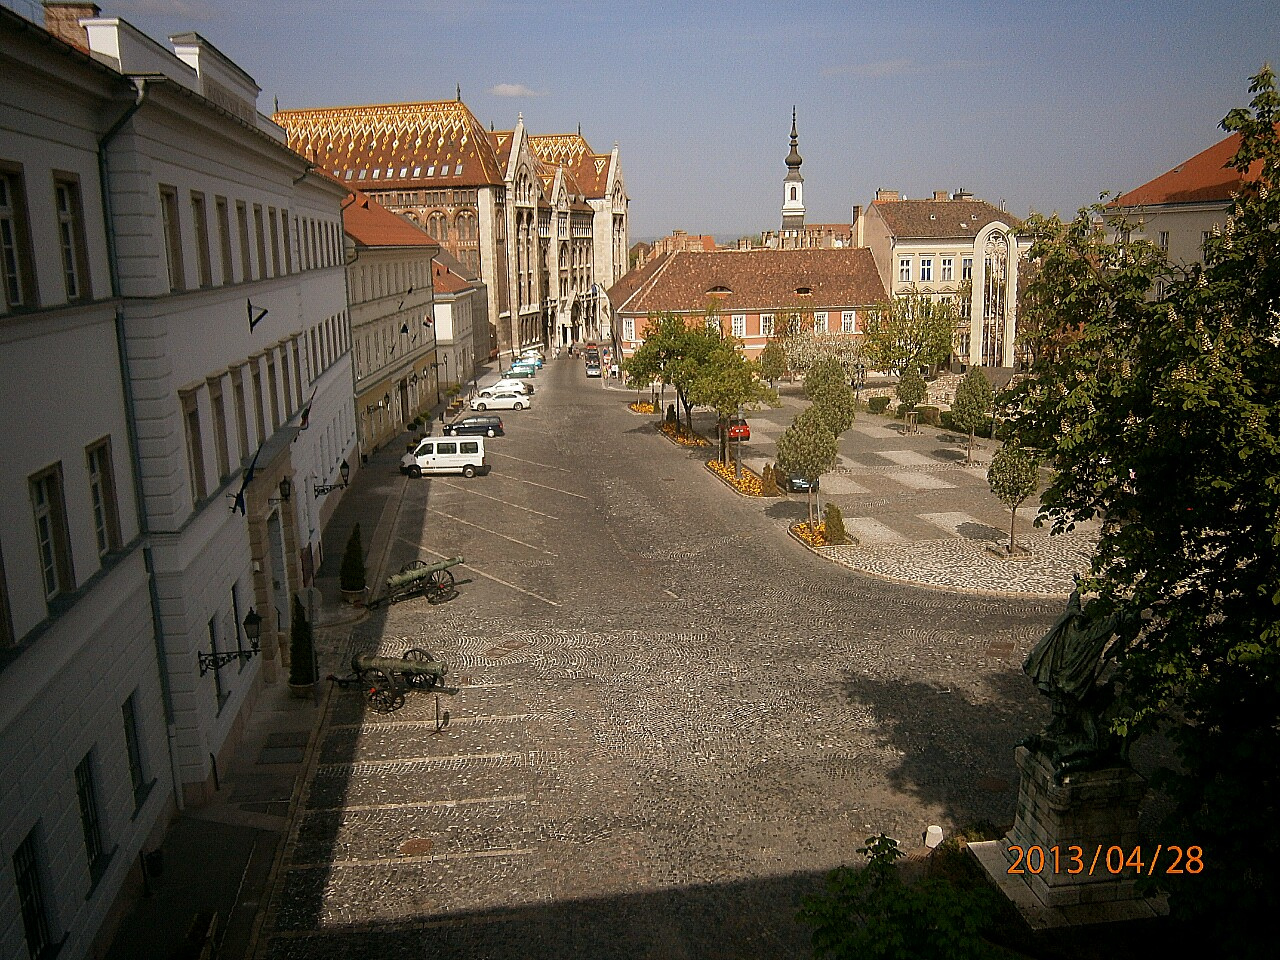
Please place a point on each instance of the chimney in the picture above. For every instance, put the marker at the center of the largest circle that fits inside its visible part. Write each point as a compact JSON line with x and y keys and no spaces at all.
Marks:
{"x":883,"y":194}
{"x":856,"y":225}
{"x":941,"y":195}
{"x":963,"y":194}
{"x":62,"y":19}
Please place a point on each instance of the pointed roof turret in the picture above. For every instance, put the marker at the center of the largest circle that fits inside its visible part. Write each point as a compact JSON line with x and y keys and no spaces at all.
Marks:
{"x":793,"y":158}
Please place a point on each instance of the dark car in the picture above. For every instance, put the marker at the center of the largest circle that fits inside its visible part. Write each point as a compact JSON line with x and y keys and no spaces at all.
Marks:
{"x":739,"y":429}
{"x":474,"y":425}
{"x":798,"y":484}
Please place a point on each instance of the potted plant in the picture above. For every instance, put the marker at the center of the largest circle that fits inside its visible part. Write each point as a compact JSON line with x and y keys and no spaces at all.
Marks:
{"x":302,"y":653}
{"x":351,"y":578}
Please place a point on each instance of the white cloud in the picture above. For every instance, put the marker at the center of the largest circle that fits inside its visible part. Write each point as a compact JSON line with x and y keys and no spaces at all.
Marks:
{"x":876,"y":70}
{"x":514,"y":90}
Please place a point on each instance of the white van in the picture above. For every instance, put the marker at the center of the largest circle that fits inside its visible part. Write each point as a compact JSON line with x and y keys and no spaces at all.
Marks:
{"x":464,"y":455}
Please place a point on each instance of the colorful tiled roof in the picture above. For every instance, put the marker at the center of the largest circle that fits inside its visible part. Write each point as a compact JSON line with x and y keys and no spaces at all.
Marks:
{"x":1204,"y":178}
{"x":372,"y":225}
{"x":939,"y":219}
{"x":570,"y":150}
{"x":757,"y":280}
{"x":440,"y":143}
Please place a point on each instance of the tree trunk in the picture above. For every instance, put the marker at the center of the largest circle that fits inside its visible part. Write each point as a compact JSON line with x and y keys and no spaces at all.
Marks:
{"x":1013,"y":517}
{"x":812,"y":524}
{"x":968,"y":456}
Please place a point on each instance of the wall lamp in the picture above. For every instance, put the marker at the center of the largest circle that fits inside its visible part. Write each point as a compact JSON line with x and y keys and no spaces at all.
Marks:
{"x":216,"y":661}
{"x":320,"y":489}
{"x":286,"y":491}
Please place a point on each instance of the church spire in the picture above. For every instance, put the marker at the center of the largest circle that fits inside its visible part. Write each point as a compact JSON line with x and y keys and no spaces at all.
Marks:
{"x":793,"y":158}
{"x":793,"y":184}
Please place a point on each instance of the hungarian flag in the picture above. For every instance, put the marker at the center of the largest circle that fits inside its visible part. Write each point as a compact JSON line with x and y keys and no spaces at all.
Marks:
{"x":306,"y":412}
{"x":238,"y":503}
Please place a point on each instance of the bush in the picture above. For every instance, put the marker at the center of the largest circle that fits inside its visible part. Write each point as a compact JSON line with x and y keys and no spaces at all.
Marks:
{"x":902,"y":409}
{"x":352,"y":574}
{"x":833,"y":524}
{"x":912,"y":388}
{"x":302,"y":657}
{"x":769,"y":483}
{"x":878,"y":404}
{"x":946,"y":420}
{"x":930,"y":415}
{"x":671,"y":413}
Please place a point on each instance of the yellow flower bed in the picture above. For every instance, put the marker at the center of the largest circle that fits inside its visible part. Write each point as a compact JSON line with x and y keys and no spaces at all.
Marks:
{"x":749,"y":483}
{"x":642,"y":406}
{"x":677,"y":432}
{"x":816,"y":537}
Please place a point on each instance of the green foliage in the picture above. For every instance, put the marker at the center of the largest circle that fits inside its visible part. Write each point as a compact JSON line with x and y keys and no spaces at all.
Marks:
{"x":910,"y":331}
{"x":769,"y":482}
{"x":773,"y":361}
{"x":836,"y":405}
{"x":912,"y":388}
{"x":728,"y":382}
{"x":675,"y":351}
{"x":878,"y":404}
{"x":873,"y":913}
{"x":302,"y":661}
{"x":824,"y":374}
{"x":352,"y":575}
{"x":833,"y":524}
{"x":973,"y":404}
{"x":930,"y":415}
{"x":808,"y":448}
{"x":1013,"y":475}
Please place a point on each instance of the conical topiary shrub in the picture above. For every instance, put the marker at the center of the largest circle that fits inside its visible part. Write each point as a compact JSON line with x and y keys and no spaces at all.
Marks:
{"x":302,"y":655}
{"x":351,"y":578}
{"x":833,"y":525}
{"x":769,"y":482}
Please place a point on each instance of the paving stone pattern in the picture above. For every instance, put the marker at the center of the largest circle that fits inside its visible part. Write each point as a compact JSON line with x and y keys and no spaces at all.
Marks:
{"x":663,"y":738}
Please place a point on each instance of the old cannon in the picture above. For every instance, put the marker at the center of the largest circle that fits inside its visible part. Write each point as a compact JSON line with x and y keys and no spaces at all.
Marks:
{"x":433,"y":579}
{"x":384,"y":678}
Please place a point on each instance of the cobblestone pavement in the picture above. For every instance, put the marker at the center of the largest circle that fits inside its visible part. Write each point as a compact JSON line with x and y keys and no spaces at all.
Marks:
{"x":670,"y":720}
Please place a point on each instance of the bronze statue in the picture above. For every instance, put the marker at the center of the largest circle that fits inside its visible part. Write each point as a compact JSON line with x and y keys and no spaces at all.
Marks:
{"x":1067,"y":666}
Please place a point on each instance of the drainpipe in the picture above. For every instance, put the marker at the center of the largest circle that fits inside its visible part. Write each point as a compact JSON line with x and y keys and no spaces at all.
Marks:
{"x":131,"y":420}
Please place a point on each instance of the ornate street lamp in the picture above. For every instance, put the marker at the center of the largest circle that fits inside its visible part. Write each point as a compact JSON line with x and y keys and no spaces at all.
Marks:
{"x":252,"y":624}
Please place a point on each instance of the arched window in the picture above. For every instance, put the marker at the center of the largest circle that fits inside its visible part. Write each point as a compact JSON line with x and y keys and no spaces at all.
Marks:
{"x":438,"y":226}
{"x":793,"y":193}
{"x":465,"y":225}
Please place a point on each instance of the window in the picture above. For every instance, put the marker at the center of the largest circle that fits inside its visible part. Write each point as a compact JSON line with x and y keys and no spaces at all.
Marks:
{"x":297,"y":369}
{"x":200,"y":221}
{"x":273,"y":389}
{"x":848,"y":321}
{"x":224,"y":237}
{"x":133,"y":746}
{"x":35,"y":913}
{"x":284,"y":230}
{"x":52,"y":542}
{"x":172,"y":237}
{"x":629,"y":329}
{"x":219,"y":411}
{"x":966,"y":268}
{"x":15,"y":241}
{"x":220,"y":692}
{"x":75,"y":256}
{"x":275,"y":241}
{"x":793,"y":193}
{"x":257,"y":401}
{"x":948,"y":271}
{"x":469,"y":446}
{"x":102,"y":489}
{"x":904,"y":270}
{"x":242,"y":225}
{"x":926,"y":269}
{"x":1204,"y":238}
{"x":820,"y":322}
{"x":449,"y":447}
{"x":1164,"y":239}
{"x":261,"y":237}
{"x":739,"y":326}
{"x":195,"y":445}
{"x":242,"y":425}
{"x":90,"y":820}
{"x":766,"y":324}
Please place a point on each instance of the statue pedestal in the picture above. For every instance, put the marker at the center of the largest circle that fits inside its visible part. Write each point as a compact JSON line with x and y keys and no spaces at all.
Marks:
{"x":1076,"y":840}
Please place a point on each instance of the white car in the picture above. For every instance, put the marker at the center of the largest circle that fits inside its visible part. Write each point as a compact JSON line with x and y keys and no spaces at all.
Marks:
{"x":511,"y":385}
{"x":501,"y":400}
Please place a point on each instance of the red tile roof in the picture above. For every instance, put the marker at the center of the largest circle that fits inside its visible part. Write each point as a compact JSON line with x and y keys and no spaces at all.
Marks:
{"x":1205,"y":177}
{"x":939,"y":219}
{"x":372,"y":225}
{"x":407,"y":144}
{"x":756,"y":280}
{"x":631,"y":281}
{"x":445,"y":280}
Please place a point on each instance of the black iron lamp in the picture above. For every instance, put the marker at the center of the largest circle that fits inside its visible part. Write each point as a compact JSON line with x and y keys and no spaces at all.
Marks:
{"x":286,"y":491}
{"x":320,"y":489}
{"x":252,"y":624}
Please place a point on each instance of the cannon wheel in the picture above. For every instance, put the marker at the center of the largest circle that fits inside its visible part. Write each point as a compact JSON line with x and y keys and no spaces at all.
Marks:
{"x":381,"y":692}
{"x":420,"y":681}
{"x":407,"y":589}
{"x":440,"y":586}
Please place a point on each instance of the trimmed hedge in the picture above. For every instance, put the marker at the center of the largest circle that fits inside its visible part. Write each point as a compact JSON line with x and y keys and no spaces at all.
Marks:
{"x":878,"y":404}
{"x":930,"y":415}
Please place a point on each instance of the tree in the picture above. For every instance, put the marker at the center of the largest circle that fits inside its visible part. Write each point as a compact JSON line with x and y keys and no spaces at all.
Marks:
{"x":912,"y":388}
{"x":909,"y":331}
{"x":1162,"y":416}
{"x":351,"y":576}
{"x":836,"y":405}
{"x":773,"y":362}
{"x":302,"y":659}
{"x":673,"y":352}
{"x":1014,"y":475}
{"x":823,"y":374}
{"x":833,"y":525}
{"x":807,"y":448}
{"x":729,"y":382}
{"x":972,"y":405}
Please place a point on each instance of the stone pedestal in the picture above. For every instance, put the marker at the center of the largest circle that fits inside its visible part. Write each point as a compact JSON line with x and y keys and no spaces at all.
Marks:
{"x":1060,"y":885}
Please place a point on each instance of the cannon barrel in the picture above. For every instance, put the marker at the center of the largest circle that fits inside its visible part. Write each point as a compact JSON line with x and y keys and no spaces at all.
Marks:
{"x":362,"y":662}
{"x":418,"y":573}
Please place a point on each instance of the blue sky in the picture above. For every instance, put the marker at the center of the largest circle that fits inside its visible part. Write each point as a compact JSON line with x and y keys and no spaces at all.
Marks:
{"x":1042,"y":105}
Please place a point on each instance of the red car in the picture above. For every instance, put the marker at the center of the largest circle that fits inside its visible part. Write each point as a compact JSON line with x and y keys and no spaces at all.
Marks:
{"x":739,"y":429}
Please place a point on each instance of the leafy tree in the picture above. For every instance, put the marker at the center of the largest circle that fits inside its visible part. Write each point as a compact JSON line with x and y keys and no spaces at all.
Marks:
{"x":351,"y":576}
{"x":972,"y":405}
{"x":773,"y":362}
{"x":912,"y":388}
{"x":1162,"y":416}
{"x":673,"y":352}
{"x":808,"y":448}
{"x":873,"y":912}
{"x":909,"y":331}
{"x":729,"y":382}
{"x":837,"y":407}
{"x":823,"y":374}
{"x":1014,"y":475}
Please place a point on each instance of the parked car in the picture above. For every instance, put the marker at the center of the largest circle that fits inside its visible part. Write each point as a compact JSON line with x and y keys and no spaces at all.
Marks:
{"x":519,"y":372}
{"x":435,"y":455}
{"x":533,"y":357}
{"x":593,"y":368}
{"x":504,"y":400}
{"x":798,"y":484}
{"x":514,"y":384}
{"x":488,"y":424}
{"x":739,"y":429}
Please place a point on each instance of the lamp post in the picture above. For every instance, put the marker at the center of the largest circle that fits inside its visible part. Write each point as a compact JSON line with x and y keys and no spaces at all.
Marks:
{"x":252,"y":624}
{"x":286,"y":491}
{"x":320,"y":489}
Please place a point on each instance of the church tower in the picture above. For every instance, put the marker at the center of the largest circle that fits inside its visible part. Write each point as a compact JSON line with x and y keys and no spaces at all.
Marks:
{"x":793,"y":185}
